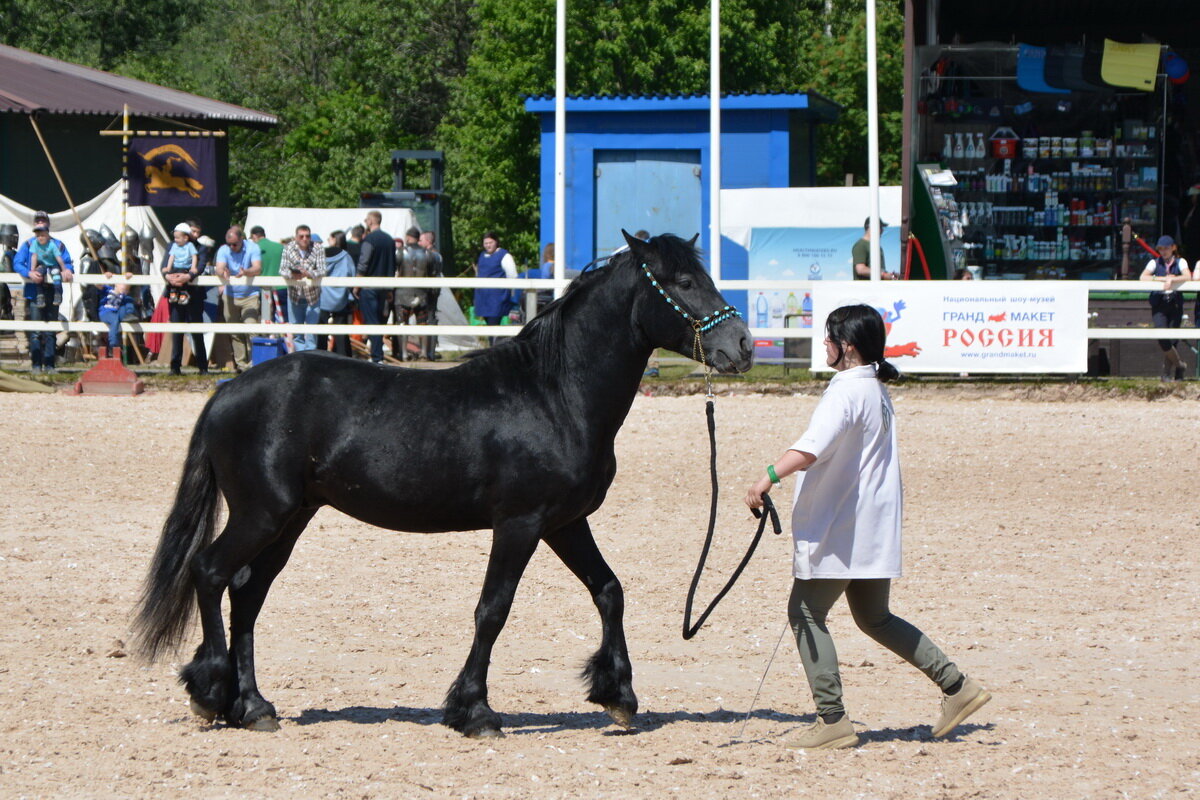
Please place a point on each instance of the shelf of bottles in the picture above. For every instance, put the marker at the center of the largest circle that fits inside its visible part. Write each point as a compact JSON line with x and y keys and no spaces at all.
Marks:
{"x":1046,"y":198}
{"x":773,"y":309}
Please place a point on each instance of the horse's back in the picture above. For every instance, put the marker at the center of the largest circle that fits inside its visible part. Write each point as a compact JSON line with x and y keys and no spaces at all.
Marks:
{"x":408,"y":449}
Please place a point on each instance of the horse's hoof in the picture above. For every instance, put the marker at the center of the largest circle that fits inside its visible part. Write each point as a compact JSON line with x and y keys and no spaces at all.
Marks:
{"x":202,"y":712}
{"x":486,"y":733}
{"x":621,"y":716}
{"x":264,"y":724}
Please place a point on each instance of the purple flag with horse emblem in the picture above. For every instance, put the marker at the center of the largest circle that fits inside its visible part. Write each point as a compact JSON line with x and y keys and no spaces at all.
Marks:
{"x":172,"y":171}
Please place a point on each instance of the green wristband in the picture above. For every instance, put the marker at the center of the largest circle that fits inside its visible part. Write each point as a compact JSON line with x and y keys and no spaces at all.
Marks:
{"x":771,"y":474}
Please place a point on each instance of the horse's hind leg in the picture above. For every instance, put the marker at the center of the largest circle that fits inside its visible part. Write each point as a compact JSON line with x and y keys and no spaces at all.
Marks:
{"x":208,"y":675}
{"x":247,"y":593}
{"x":608,"y":671}
{"x":466,"y":708}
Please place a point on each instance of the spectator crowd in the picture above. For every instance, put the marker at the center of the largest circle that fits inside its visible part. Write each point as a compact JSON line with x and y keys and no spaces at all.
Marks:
{"x":302,"y":259}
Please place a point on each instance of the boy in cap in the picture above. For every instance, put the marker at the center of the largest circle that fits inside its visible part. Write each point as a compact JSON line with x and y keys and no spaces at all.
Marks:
{"x":45,"y":264}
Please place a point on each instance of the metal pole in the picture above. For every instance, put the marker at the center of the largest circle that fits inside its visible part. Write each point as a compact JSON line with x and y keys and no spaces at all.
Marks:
{"x":560,"y":145}
{"x":714,"y":144}
{"x":873,"y":139}
{"x":124,"y":183}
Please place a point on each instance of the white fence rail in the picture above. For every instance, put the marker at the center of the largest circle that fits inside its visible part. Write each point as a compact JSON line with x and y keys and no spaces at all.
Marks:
{"x":530,"y":285}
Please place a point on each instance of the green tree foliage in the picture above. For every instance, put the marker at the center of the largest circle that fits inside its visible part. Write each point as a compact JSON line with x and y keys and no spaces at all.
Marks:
{"x":833,"y":50}
{"x":350,"y":81}
{"x":652,"y":46}
{"x":353,"y":79}
{"x":107,"y":34}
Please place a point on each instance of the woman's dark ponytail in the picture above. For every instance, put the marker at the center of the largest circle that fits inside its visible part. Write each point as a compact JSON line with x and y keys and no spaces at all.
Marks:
{"x":861,"y":326}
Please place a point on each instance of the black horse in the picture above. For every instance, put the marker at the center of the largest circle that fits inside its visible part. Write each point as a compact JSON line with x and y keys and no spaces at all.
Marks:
{"x":518,"y":439}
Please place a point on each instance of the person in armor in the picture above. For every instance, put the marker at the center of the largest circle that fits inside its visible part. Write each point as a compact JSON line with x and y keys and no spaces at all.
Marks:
{"x":436,"y":269}
{"x":8,"y":245}
{"x":415,"y":305}
{"x":90,"y":264}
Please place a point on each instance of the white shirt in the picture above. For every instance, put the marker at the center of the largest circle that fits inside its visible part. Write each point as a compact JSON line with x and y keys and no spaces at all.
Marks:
{"x":509,"y":266}
{"x":848,"y":504}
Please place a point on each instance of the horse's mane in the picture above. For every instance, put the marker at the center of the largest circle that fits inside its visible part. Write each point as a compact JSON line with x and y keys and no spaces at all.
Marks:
{"x":540,"y":343}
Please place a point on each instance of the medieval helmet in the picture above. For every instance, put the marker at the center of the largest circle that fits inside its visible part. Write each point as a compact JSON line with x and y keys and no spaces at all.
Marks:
{"x":92,"y":236}
{"x":110,"y":238}
{"x":146,"y":241}
{"x":131,"y":240}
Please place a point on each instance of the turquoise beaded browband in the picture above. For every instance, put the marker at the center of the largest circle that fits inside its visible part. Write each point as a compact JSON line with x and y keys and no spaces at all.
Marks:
{"x":702,"y":325}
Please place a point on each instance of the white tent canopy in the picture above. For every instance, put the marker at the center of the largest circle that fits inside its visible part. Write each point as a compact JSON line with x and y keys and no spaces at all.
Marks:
{"x":280,"y":223}
{"x":103,"y":209}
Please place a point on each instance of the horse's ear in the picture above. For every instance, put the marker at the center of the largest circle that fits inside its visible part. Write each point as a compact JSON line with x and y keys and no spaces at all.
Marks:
{"x":692,"y":241}
{"x":636,"y":246}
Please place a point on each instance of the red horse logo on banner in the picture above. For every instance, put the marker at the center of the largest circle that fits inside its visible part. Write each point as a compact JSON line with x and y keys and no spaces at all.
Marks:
{"x":911,"y":349}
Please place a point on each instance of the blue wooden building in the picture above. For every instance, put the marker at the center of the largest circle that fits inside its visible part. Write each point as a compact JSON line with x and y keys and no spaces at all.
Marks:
{"x":642,"y":163}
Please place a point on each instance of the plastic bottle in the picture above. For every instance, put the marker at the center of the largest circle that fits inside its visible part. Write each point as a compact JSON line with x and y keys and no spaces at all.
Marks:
{"x":792,"y":305}
{"x":947,"y":147}
{"x":760,"y":311}
{"x":959,"y":150}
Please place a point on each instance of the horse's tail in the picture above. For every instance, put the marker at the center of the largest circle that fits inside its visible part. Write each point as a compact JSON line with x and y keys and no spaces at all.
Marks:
{"x":168,"y":596}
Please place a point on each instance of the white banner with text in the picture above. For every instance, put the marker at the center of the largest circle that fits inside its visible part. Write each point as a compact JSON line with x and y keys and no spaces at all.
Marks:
{"x":968,"y":326}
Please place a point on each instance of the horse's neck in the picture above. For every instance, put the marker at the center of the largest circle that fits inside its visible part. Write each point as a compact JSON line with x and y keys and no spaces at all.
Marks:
{"x":603,"y":363}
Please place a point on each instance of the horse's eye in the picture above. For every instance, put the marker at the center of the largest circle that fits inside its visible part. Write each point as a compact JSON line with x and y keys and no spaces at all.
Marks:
{"x":685,"y":282}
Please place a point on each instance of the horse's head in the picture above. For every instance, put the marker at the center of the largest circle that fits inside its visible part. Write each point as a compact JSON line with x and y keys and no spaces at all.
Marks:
{"x":680,"y":300}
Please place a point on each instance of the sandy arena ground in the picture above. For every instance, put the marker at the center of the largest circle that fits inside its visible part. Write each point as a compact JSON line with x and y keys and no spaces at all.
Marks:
{"x":1051,"y":548}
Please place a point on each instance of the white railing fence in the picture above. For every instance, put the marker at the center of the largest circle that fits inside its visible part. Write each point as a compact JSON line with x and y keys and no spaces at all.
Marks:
{"x":529,"y":285}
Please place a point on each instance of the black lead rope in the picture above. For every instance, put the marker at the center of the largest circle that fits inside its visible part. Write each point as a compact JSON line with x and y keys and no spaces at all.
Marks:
{"x":690,"y":630}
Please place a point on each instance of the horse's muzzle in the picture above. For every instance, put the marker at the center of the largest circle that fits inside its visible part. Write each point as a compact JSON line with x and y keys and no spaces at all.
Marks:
{"x":734,"y":353}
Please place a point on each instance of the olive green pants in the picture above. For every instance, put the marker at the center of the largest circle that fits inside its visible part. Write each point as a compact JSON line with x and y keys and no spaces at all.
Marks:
{"x":868,"y":600}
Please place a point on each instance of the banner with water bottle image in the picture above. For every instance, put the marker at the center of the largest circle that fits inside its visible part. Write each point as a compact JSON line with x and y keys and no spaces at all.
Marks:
{"x":815,"y":254}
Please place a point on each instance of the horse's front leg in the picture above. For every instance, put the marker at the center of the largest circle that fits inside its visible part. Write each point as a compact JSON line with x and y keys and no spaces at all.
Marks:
{"x":467,"y":709}
{"x":608,"y":671}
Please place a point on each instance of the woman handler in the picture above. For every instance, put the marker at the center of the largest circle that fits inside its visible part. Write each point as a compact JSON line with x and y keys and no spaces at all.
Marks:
{"x":846,"y":530}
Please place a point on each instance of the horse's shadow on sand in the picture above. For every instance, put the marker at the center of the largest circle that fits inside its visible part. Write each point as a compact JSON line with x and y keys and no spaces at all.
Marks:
{"x":528,"y":723}
{"x":523,"y":724}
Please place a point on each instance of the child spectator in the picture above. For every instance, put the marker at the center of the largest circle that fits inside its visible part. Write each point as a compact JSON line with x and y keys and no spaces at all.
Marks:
{"x":116,"y":307}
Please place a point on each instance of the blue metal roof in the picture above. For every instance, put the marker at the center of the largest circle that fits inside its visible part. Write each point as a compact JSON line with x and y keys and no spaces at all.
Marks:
{"x":733,"y":101}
